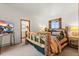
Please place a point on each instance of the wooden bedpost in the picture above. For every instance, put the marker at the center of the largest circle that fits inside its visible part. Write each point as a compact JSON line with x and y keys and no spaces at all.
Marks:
{"x":66,"y":31}
{"x":60,"y":20}
{"x":48,"y":53}
{"x":49,"y":23}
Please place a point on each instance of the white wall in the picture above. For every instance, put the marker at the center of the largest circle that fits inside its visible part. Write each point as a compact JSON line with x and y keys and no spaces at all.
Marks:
{"x":68,"y":12}
{"x":10,"y":14}
{"x":39,"y":14}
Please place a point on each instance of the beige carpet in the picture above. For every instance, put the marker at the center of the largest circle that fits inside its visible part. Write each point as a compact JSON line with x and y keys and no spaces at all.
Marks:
{"x":68,"y":51}
{"x":24,"y":50}
{"x":29,"y":50}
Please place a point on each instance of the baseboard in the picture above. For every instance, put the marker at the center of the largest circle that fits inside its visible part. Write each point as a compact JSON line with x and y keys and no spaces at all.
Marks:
{"x":23,"y":37}
{"x":8,"y":44}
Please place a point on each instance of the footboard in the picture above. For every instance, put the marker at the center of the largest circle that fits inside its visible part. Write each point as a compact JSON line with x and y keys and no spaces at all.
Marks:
{"x":43,"y":43}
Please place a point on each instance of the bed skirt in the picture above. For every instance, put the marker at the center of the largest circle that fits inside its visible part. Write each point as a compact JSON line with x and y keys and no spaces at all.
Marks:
{"x":40,"y":49}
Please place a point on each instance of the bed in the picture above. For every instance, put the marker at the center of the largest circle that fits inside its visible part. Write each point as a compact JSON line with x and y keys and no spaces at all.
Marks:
{"x":45,"y":43}
{"x":50,"y":42}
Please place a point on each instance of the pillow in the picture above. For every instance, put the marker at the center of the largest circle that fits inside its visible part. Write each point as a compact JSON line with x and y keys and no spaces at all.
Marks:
{"x":55,"y":33}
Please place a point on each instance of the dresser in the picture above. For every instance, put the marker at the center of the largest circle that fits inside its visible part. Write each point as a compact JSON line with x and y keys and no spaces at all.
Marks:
{"x":6,"y":39}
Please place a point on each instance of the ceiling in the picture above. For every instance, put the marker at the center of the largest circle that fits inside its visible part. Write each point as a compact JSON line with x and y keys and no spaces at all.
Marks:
{"x":42,"y":11}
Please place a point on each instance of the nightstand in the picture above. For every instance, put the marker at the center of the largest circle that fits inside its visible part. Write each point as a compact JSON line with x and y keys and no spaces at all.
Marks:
{"x":73,"y":41}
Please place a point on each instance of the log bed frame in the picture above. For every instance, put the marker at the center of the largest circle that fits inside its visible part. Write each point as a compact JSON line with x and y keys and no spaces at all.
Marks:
{"x":65,"y":40}
{"x":51,"y":46}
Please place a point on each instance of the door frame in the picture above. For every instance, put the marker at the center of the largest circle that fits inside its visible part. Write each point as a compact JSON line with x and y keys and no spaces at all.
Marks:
{"x":21,"y":27}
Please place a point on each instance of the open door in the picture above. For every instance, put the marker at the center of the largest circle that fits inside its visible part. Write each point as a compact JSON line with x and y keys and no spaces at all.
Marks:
{"x":25,"y":27}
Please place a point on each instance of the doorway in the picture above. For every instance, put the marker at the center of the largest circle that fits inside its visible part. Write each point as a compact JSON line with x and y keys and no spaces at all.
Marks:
{"x":25,"y":27}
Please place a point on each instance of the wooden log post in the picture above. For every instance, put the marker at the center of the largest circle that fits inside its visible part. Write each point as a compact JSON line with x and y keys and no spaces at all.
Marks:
{"x":48,"y":53}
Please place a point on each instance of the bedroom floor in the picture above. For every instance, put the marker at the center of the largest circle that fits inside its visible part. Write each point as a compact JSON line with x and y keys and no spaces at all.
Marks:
{"x":21,"y":50}
{"x":68,"y":51}
{"x":29,"y":50}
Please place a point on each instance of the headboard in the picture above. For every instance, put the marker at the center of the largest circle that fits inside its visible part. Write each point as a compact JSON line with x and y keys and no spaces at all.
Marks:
{"x":55,"y":23}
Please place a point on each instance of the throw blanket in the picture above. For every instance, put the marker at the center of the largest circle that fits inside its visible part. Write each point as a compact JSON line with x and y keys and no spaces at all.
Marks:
{"x":55,"y":45}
